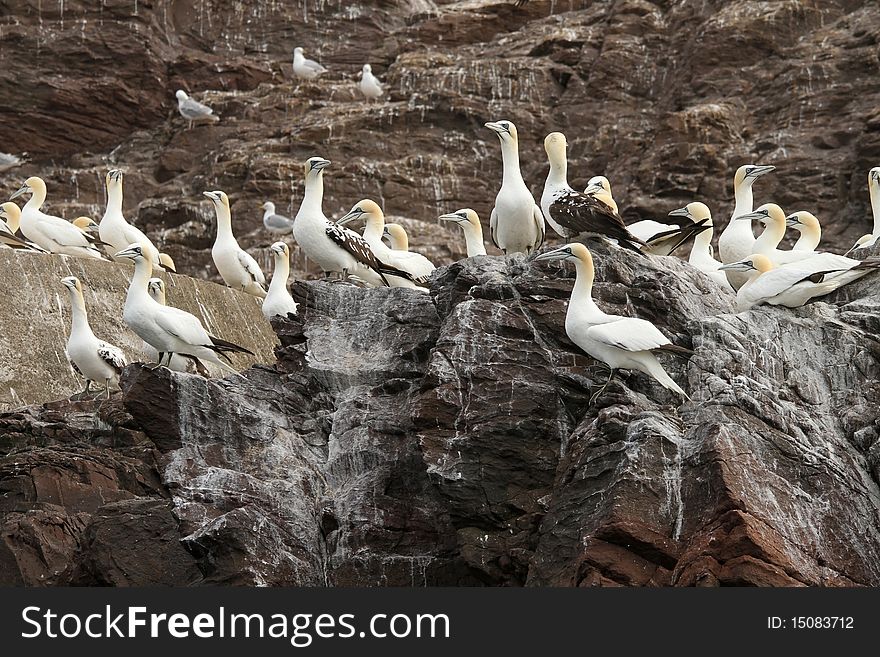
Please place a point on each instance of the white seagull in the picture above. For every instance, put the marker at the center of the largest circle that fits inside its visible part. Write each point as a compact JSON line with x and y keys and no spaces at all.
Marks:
{"x":305,"y":69}
{"x":93,"y":359}
{"x":874,"y":190}
{"x":701,"y":255}
{"x":51,"y":233}
{"x":10,"y":218}
{"x":194,"y":111}
{"x":619,"y":342}
{"x":516,"y":224}
{"x":237,"y":267}
{"x":178,"y":362}
{"x":274,"y":222}
{"x":469,"y":222}
{"x":737,"y":238}
{"x":278,"y":302}
{"x":114,"y":230}
{"x":369,"y":84}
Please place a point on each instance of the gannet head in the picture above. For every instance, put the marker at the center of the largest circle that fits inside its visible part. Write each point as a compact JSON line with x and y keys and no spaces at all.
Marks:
{"x":396,"y":232}
{"x":601,"y":181}
{"x":280,"y":249}
{"x":72,"y":283}
{"x":132,"y":252}
{"x":767,"y":214}
{"x":802,"y":219}
{"x":505,"y":130}
{"x":695,"y":211}
{"x":9,"y":210}
{"x":314,"y":165}
{"x":365,"y":209}
{"x":556,"y":146}
{"x":156,"y":287}
{"x":755,"y":262}
{"x":573,"y":251}
{"x":85,"y":223}
{"x":874,"y":176}
{"x":218,"y":198}
{"x":463,"y":216}
{"x":180,"y":94}
{"x":749,"y":173}
{"x":114,"y":176}
{"x":167,"y":263}
{"x":34,"y":182}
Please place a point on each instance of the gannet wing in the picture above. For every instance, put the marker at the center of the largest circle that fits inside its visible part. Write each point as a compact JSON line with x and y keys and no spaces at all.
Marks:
{"x":253,"y":269}
{"x":62,"y":232}
{"x":73,"y":365}
{"x":493,"y":225}
{"x":581,"y":213}
{"x":112,"y":356}
{"x":630,"y":334}
{"x":360,"y":250}
{"x":182,"y":325}
{"x":14,"y":241}
{"x":779,"y":280}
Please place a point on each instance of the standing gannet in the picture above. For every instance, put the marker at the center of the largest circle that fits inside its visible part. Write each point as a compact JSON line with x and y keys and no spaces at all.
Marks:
{"x":273,"y":222}
{"x":806,"y":224}
{"x":605,"y":184}
{"x":11,"y":213}
{"x":416,"y":265}
{"x":51,"y":233}
{"x":93,"y":359}
{"x":115,"y":232}
{"x":874,"y":191}
{"x":278,"y":302}
{"x":702,"y":256}
{"x":397,"y":237}
{"x":737,"y":237}
{"x":473,"y":230}
{"x":178,"y":362}
{"x":169,"y":330}
{"x":194,"y":111}
{"x":237,"y":267}
{"x":369,"y":84}
{"x":305,"y":69}
{"x":619,"y":342}
{"x":572,"y":213}
{"x":516,"y":224}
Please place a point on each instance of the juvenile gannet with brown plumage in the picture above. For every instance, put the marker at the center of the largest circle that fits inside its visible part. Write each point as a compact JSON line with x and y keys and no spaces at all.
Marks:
{"x":278,"y":302}
{"x":51,"y":233}
{"x":398,"y":240}
{"x":93,"y":359}
{"x":516,"y":224}
{"x":573,"y":214}
{"x":178,"y":362}
{"x":619,"y":342}
{"x":469,"y":222}
{"x":115,"y":231}
{"x":808,"y":228}
{"x":10,"y":217}
{"x":874,"y":191}
{"x":237,"y":267}
{"x":701,"y":255}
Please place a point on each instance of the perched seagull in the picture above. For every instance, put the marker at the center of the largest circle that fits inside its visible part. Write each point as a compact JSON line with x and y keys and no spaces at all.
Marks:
{"x":605,"y":185}
{"x":8,"y":161}
{"x":574,"y":214}
{"x":701,"y":255}
{"x":369,"y":85}
{"x":305,"y":69}
{"x":178,"y":362}
{"x":473,"y":231}
{"x":51,"y":233}
{"x":167,"y":263}
{"x":334,"y":248}
{"x":237,"y":267}
{"x":737,"y":238}
{"x":11,"y":213}
{"x":874,"y":190}
{"x":278,"y":302}
{"x":416,"y":265}
{"x":397,"y":237}
{"x":516,"y":224}
{"x":619,"y":342}
{"x":194,"y":111}
{"x":275,"y":223}
{"x":806,"y":224}
{"x":93,"y":359}
{"x":115,"y":232}
{"x":169,"y":330}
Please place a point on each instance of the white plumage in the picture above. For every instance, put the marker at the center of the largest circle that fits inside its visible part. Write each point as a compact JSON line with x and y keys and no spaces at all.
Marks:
{"x":114,"y":230}
{"x":194,"y":111}
{"x":177,"y":363}
{"x":304,"y":68}
{"x":237,"y":267}
{"x":469,"y":222}
{"x":369,"y":84}
{"x":274,"y":222}
{"x":701,"y":255}
{"x":278,"y":301}
{"x":874,"y":191}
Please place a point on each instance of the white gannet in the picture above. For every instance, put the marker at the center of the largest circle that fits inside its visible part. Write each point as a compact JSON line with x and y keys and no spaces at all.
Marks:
{"x":51,"y":233}
{"x":278,"y":302}
{"x":115,"y":232}
{"x":516,"y":224}
{"x":415,"y":264}
{"x":11,"y":213}
{"x":8,"y":161}
{"x":178,"y":362}
{"x":369,"y":84}
{"x":874,"y":191}
{"x":93,"y":359}
{"x":806,"y":224}
{"x":332,"y":247}
{"x":574,"y":214}
{"x":793,"y":285}
{"x":274,"y":222}
{"x":663,"y":236}
{"x":702,"y":256}
{"x":305,"y":69}
{"x":473,"y":230}
{"x":167,"y":263}
{"x":737,"y":238}
{"x":237,"y":267}
{"x":169,"y":330}
{"x":194,"y":111}
{"x":605,"y":184}
{"x":86,"y":225}
{"x":619,"y":342}
{"x":397,"y":237}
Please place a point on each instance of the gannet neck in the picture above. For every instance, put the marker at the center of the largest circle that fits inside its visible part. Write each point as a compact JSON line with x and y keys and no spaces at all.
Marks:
{"x":510,"y":159}
{"x":556,"y":150}
{"x":874,"y":191}
{"x":281,"y":273}
{"x":314,"y":193}
{"x":702,"y":247}
{"x":770,"y":238}
{"x":374,"y":227}
{"x":582,"y":292}
{"x":114,"y":197}
{"x":224,"y":220}
{"x":143,"y":271}
{"x":38,"y":194}
{"x":809,"y":239}
{"x":473,"y":239}
{"x":79,"y":317}
{"x":744,"y":199}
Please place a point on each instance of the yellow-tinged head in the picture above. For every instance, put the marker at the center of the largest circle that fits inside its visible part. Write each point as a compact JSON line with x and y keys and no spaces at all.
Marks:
{"x":874,"y":176}
{"x":555,"y":144}
{"x":315,"y":165}
{"x":505,"y":130}
{"x":768,"y":214}
{"x":802,"y":219}
{"x":167,"y":263}
{"x":32,"y":185}
{"x":72,"y":283}
{"x":84,"y":223}
{"x":218,"y":198}
{"x":755,"y":262}
{"x":11,"y":213}
{"x":573,"y":251}
{"x":113,"y":177}
{"x":280,"y":249}
{"x":602,"y":182}
{"x":696,"y":211}
{"x":749,"y":173}
{"x":465,"y":215}
{"x":365,"y":209}
{"x":397,"y":234}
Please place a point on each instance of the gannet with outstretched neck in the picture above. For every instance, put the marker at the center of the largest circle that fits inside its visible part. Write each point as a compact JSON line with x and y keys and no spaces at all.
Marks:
{"x":194,"y":111}
{"x":278,"y":302}
{"x":304,"y":68}
{"x":51,"y":233}
{"x":701,"y":255}
{"x":605,"y":185}
{"x":473,"y":230}
{"x":10,"y":218}
{"x":369,"y":84}
{"x":114,"y":230}
{"x":874,"y":191}
{"x":398,"y":240}
{"x":169,"y":330}
{"x":516,"y":224}
{"x":237,"y":267}
{"x":806,"y":224}
{"x":737,"y":238}
{"x":93,"y":359}
{"x":619,"y":342}
{"x":416,"y":265}
{"x":274,"y":222}
{"x":574,"y":214}
{"x":178,"y":362}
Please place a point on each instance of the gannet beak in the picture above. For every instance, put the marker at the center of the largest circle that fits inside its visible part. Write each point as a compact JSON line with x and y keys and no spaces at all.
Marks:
{"x":211,"y":195}
{"x":791,"y":221}
{"x":129,"y":252}
{"x":386,"y":232}
{"x":451,"y":217}
{"x":24,"y":189}
{"x":681,"y":212}
{"x":556,"y":254}
{"x":318,"y":165}
{"x":594,"y":188}
{"x":875,"y":176}
{"x":351,"y":216}
{"x":497,"y":127}
{"x":742,"y":265}
{"x":757,"y":172}
{"x":750,"y":216}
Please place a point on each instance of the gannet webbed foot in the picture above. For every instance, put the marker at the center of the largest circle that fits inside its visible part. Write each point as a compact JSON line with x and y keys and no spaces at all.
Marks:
{"x":599,"y":392}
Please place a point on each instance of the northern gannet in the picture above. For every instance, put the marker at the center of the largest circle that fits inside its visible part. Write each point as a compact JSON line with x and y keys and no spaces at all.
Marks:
{"x":11,"y":213}
{"x":93,"y":359}
{"x":397,"y":237}
{"x":415,"y":264}
{"x":86,"y":225}
{"x":516,"y":224}
{"x":605,"y":184}
{"x":194,"y":111}
{"x":701,"y":255}
{"x":169,"y":330}
{"x":51,"y":233}
{"x":305,"y":69}
{"x":115,"y":232}
{"x":274,"y":222}
{"x":167,"y":263}
{"x":178,"y":362}
{"x":665,"y":235}
{"x":737,"y":238}
{"x":572,"y":213}
{"x":8,"y":161}
{"x":278,"y":302}
{"x":237,"y":267}
{"x":874,"y":191}
{"x":369,"y":84}
{"x":473,"y":230}
{"x":334,"y":248}
{"x":619,"y":342}
{"x":806,"y":224}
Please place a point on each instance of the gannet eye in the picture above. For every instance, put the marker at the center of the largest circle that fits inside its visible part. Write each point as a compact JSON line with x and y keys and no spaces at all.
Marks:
{"x":505,"y":125}
{"x":463,"y":215}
